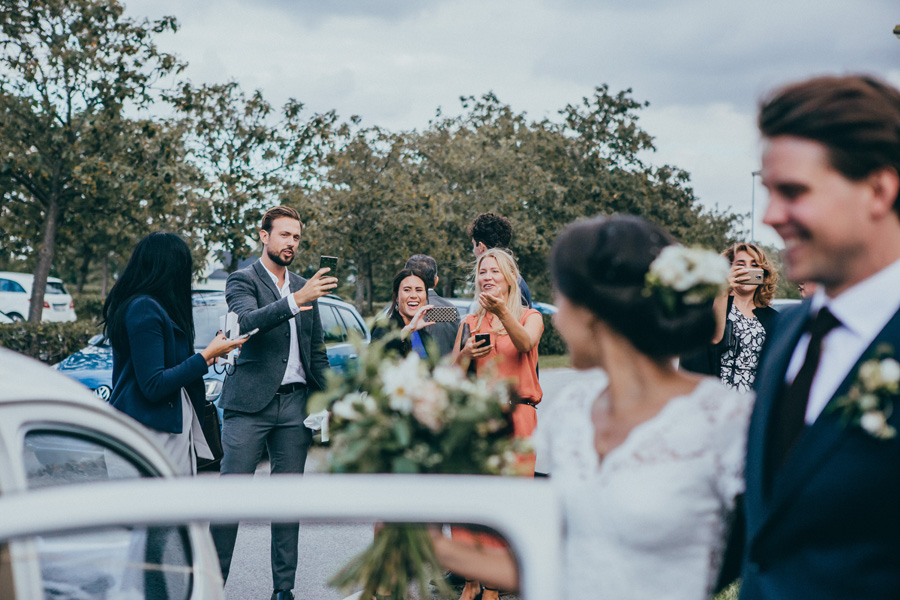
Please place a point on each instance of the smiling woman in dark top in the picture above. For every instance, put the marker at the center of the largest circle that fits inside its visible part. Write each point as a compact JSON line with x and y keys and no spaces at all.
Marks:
{"x":745,"y":318}
{"x":409,"y":302}
{"x":157,"y":376}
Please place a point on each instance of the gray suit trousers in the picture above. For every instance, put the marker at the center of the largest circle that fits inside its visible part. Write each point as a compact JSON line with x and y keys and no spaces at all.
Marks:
{"x":279,"y":428}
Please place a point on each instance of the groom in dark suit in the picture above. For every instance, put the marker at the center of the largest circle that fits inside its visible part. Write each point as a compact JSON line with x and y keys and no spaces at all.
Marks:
{"x":822,"y":503}
{"x":264,"y":401}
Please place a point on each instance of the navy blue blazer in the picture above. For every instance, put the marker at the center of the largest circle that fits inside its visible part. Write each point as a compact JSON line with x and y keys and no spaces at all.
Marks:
{"x":147,"y":383}
{"x":826,"y":524}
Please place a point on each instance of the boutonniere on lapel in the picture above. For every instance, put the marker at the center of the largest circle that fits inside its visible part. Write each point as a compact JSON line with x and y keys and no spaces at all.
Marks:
{"x":869,"y":402}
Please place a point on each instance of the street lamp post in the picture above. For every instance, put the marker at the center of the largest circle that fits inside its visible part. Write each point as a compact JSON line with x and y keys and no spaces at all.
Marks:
{"x":753,"y":205}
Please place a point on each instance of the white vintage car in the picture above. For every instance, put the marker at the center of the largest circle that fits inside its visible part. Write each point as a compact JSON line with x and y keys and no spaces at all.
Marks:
{"x":90,"y":507}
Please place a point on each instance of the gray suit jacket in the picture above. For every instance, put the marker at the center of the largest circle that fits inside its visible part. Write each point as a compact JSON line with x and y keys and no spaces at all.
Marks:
{"x":260,"y":367}
{"x":444,"y":334}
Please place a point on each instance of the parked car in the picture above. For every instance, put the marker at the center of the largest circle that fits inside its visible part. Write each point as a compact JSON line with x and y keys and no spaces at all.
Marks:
{"x":4,"y":319}
{"x":92,"y":365}
{"x":15,"y":298}
{"x":55,"y":434}
{"x":782,"y":304}
{"x":80,"y":518}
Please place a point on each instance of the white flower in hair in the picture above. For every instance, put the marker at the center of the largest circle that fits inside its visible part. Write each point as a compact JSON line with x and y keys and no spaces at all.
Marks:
{"x":691,"y":276}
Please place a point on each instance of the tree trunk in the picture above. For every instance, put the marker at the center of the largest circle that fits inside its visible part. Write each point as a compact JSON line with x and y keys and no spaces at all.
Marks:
{"x":447,"y":288}
{"x":359,"y":299}
{"x":45,"y":259}
{"x":85,"y":267}
{"x":369,"y":286}
{"x":105,"y":287}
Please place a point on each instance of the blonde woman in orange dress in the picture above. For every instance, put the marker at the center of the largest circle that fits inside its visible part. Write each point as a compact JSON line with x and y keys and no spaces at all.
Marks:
{"x":515,"y":332}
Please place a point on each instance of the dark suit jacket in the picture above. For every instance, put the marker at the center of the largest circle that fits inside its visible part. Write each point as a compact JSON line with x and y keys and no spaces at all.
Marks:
{"x":444,"y":334}
{"x":263,"y":359}
{"x":147,"y":383}
{"x":828,"y":524}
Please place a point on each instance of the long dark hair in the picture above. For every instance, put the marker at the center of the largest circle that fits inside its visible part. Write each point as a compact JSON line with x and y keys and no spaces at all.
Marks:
{"x":395,"y":286}
{"x":160,"y":267}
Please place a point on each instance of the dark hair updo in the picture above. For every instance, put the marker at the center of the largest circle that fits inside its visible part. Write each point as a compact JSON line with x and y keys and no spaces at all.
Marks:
{"x":601,"y":264}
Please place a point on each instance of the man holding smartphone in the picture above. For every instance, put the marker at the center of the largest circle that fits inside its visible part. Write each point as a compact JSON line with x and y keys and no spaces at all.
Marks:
{"x":264,"y":401}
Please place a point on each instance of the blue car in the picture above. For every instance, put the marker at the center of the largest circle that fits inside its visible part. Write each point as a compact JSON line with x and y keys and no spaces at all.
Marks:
{"x":92,"y":365}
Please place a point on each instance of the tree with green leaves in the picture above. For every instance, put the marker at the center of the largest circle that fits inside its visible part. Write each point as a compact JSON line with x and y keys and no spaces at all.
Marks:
{"x":543,"y":175}
{"x":368,"y":210}
{"x":68,"y":70}
{"x":248,"y":154}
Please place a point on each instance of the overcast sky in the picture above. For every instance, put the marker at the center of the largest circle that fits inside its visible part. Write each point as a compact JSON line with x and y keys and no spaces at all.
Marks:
{"x":701,"y":64}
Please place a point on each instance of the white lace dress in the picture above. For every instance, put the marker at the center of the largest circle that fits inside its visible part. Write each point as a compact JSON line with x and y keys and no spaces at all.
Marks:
{"x":650,"y":521}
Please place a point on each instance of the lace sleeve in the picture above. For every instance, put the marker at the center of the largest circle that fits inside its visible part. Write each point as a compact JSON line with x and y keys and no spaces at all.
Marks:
{"x":731,"y":444}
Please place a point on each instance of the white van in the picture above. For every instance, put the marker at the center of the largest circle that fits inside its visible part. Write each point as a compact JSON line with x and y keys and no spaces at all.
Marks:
{"x":15,"y":297}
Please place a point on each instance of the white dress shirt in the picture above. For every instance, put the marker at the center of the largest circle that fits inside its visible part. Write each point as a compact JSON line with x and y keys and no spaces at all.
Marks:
{"x":863,"y":311}
{"x":294,"y":372}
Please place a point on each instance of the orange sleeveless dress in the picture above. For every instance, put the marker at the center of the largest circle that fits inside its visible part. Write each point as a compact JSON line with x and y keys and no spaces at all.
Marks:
{"x":507,"y":362}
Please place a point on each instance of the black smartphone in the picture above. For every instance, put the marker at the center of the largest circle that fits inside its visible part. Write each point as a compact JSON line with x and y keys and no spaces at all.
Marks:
{"x":329,"y":262}
{"x":442,"y":314}
{"x":479,"y":337}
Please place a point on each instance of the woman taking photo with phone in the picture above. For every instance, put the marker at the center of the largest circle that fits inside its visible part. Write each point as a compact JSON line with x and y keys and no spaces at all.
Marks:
{"x":744,"y":318}
{"x":157,"y":376}
{"x":409,"y":303}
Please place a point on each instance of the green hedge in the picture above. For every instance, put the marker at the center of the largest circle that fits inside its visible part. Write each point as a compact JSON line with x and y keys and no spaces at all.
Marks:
{"x":551,"y":342}
{"x":48,"y":342}
{"x":88,"y":306}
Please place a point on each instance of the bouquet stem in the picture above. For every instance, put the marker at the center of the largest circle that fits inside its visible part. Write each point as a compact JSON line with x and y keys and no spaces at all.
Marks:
{"x":399,"y":554}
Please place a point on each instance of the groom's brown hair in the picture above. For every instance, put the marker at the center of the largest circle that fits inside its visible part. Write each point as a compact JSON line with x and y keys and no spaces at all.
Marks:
{"x":856,"y":117}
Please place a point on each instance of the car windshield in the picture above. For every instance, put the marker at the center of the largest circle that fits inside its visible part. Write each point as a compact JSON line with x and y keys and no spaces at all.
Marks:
{"x":208,"y":307}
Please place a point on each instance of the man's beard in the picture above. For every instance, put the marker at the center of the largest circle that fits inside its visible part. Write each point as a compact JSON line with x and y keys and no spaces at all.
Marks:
{"x":276,"y":258}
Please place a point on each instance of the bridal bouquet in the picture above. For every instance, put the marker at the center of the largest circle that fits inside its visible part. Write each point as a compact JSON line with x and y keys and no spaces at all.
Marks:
{"x":411,"y":415}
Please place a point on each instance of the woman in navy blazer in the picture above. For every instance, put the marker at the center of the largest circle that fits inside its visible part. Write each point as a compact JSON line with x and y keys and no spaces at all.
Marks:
{"x":157,"y":376}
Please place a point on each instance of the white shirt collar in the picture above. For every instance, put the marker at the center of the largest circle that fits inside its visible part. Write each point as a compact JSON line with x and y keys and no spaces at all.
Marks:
{"x":867,"y":306}
{"x":273,"y":275}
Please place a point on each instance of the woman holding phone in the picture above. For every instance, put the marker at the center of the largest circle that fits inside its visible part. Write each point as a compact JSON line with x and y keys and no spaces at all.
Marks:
{"x":744,"y":318}
{"x":409,"y":303}
{"x":647,"y":460}
{"x":503,"y":338}
{"x":157,"y":376}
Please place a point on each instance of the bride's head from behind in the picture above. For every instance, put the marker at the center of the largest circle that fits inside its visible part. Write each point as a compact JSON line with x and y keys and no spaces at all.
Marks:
{"x":599,"y":269}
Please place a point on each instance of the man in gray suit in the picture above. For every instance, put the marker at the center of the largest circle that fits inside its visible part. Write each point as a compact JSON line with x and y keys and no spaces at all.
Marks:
{"x":443,"y":333}
{"x":264,"y":401}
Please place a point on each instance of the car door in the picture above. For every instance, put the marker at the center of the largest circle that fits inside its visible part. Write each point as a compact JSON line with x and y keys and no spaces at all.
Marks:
{"x":65,"y":445}
{"x":13,"y":299}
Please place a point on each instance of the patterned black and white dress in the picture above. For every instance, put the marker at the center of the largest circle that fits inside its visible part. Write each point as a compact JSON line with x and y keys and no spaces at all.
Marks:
{"x":739,"y":362}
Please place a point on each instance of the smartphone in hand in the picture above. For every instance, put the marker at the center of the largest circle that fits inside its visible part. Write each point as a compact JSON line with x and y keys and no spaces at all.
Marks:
{"x":244,"y":336}
{"x":329,"y":262}
{"x":442,"y":314}
{"x":755,"y":277}
{"x":482,"y":337}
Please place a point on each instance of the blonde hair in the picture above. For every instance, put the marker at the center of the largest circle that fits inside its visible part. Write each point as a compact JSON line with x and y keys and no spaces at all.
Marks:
{"x":764,"y":293}
{"x":510,"y":272}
